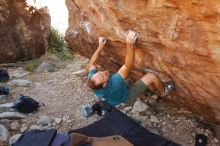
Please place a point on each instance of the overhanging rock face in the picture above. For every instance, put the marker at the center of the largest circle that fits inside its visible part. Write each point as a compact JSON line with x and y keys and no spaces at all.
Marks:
{"x":24,"y":31}
{"x":179,"y":38}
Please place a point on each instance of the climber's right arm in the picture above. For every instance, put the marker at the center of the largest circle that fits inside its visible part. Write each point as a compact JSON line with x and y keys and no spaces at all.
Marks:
{"x":95,"y":56}
{"x":131,"y":38}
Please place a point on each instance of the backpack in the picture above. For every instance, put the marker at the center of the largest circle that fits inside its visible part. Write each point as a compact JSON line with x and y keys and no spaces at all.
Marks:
{"x":26,"y":104}
{"x":4,"y":76}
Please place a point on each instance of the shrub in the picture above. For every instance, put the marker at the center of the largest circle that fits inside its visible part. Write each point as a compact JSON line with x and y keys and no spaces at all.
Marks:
{"x":32,"y":64}
{"x":58,"y":46}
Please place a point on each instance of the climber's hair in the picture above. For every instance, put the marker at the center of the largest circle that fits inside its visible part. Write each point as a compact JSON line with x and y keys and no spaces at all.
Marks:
{"x":93,"y":85}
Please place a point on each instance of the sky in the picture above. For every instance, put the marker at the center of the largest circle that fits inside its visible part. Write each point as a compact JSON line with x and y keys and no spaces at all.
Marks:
{"x":58,"y":12}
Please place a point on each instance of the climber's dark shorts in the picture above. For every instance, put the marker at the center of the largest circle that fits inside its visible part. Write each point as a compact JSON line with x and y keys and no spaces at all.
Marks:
{"x":135,"y":91}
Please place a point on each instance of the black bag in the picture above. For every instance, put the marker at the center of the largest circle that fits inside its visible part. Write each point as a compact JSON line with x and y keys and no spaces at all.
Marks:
{"x":100,"y":106}
{"x":26,"y":104}
{"x":4,"y":76}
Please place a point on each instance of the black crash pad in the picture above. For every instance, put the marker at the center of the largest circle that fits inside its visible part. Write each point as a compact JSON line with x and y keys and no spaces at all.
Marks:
{"x":117,"y":123}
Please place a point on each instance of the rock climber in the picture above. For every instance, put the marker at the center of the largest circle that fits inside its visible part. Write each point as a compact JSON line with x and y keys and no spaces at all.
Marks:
{"x":113,"y":88}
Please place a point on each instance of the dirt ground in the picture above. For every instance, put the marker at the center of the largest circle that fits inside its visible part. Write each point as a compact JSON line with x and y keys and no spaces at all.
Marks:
{"x":63,"y":93}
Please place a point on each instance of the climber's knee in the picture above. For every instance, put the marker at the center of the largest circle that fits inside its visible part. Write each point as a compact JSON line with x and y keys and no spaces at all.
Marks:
{"x":149,"y":78}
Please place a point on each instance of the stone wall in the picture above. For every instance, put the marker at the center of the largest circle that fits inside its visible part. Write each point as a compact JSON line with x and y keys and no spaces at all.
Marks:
{"x":24,"y":31}
{"x":179,"y":38}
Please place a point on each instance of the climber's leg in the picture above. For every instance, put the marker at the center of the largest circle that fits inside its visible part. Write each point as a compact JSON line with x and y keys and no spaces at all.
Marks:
{"x":135,"y":91}
{"x":140,"y":87}
{"x":151,"y":78}
{"x":163,"y":89}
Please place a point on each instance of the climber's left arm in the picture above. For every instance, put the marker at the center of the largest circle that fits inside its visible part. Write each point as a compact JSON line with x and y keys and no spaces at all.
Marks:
{"x":102,"y":42}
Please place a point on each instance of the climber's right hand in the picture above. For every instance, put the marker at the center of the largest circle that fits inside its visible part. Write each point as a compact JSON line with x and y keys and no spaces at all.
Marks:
{"x":102,"y":42}
{"x":131,"y":37}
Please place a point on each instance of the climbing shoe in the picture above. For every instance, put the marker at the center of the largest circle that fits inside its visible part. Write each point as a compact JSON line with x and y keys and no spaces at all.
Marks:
{"x":169,"y":87}
{"x":201,"y":140}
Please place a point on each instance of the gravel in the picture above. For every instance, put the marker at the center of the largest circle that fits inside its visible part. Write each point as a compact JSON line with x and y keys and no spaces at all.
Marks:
{"x":61,"y":94}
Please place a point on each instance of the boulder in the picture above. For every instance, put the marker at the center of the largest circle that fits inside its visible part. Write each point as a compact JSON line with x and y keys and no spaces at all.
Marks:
{"x":24,"y":31}
{"x":178,"y":38}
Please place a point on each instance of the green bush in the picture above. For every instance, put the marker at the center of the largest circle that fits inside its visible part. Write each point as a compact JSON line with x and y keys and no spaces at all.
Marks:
{"x":58,"y":46}
{"x":32,"y":64}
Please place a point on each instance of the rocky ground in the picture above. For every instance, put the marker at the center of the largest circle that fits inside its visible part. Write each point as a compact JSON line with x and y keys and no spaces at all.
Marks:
{"x":63,"y":90}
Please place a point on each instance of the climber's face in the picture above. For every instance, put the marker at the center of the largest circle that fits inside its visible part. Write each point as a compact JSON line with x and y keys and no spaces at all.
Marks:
{"x":101,"y":78}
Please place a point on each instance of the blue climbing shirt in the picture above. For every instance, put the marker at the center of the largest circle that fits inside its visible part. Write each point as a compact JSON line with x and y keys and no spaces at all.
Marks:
{"x":116,"y":90}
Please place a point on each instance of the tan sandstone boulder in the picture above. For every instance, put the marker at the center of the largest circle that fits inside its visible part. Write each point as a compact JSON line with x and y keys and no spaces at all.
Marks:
{"x":179,"y":38}
{"x":24,"y":31}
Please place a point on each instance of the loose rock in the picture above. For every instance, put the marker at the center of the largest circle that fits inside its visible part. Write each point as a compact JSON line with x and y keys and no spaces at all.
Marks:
{"x":45,"y":66}
{"x":14,"y":138}
{"x":44,"y":120}
{"x":36,"y":127}
{"x":215,"y":140}
{"x":15,"y":125}
{"x":152,"y":101}
{"x":80,"y":72}
{"x":4,"y":134}
{"x":18,"y":73}
{"x":58,"y":120}
{"x":12,"y":115}
{"x":6,"y":105}
{"x":24,"y":128}
{"x":3,"y":97}
{"x":154,"y":130}
{"x":154,"y":119}
{"x":139,"y":106}
{"x":20,"y":82}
